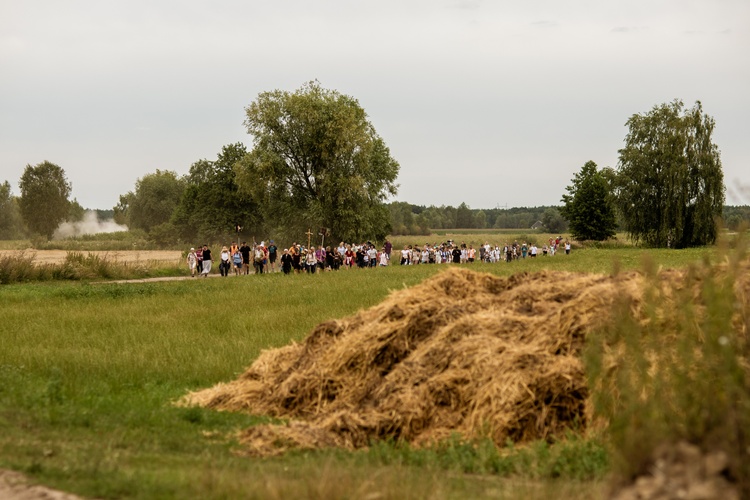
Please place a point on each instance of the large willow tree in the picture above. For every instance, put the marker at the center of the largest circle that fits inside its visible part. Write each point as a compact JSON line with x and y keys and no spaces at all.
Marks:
{"x":317,"y":162}
{"x":670,"y":186}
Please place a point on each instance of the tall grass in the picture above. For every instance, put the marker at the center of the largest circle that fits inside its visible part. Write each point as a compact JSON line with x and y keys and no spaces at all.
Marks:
{"x":21,"y":268}
{"x":682,"y":374}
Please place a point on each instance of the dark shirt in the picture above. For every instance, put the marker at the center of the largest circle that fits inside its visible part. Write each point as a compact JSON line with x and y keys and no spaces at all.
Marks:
{"x":286,"y":261}
{"x":207,"y":254}
{"x":245,"y":251}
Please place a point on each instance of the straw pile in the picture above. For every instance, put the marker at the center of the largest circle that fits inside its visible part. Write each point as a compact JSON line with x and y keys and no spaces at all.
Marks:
{"x":463,"y":353}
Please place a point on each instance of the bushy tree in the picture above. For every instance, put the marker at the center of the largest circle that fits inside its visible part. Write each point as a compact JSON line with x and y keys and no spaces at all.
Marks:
{"x":75,"y":211}
{"x":11,"y":223}
{"x":44,"y":197}
{"x":406,"y":218}
{"x":670,"y":185}
{"x":464,"y":217}
{"x":735,"y":216}
{"x":588,"y":205}
{"x":553,"y":221}
{"x":317,"y":161}
{"x":152,"y":203}
{"x":213,"y":205}
{"x":480,"y":219}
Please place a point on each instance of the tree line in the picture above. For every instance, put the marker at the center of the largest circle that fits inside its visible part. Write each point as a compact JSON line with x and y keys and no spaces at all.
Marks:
{"x":407,"y":218}
{"x":316,"y":162}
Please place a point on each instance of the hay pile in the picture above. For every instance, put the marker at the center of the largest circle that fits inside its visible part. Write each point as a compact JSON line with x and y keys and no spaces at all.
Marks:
{"x":460,"y":353}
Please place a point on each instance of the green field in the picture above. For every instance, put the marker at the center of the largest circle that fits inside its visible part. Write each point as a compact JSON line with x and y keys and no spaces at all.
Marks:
{"x":88,"y":374}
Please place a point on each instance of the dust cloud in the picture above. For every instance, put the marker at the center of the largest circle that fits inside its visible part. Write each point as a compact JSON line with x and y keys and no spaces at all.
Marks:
{"x":89,"y":225}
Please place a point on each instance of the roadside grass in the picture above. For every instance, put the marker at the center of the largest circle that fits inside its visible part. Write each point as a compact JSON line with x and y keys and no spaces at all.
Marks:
{"x":88,"y":374}
{"x":77,"y":266}
{"x":680,"y":376}
{"x":14,"y":244}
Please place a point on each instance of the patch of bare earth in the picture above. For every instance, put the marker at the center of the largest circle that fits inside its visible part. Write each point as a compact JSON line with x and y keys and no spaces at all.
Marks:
{"x":15,"y":486}
{"x":683,"y":471}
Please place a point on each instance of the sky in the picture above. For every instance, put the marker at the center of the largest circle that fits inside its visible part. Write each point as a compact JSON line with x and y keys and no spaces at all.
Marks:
{"x":492,"y":103}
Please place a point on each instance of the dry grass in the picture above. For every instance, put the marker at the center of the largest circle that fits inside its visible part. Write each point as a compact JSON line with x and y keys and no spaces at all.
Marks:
{"x":124,"y":256}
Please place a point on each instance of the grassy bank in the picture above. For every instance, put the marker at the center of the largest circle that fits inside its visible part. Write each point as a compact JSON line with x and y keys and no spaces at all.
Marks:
{"x":88,"y":373}
{"x":21,"y":267}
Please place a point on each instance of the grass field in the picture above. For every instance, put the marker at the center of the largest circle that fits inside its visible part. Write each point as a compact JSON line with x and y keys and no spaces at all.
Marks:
{"x":88,"y":374}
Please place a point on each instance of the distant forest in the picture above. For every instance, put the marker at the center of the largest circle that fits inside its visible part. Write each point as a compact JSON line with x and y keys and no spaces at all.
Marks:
{"x":407,"y":218}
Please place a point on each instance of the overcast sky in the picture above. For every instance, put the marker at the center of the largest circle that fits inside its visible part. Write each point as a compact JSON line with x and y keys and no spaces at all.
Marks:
{"x":493,"y":103}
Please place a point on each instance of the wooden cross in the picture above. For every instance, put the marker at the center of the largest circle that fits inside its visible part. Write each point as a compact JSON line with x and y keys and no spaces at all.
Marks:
{"x":309,"y":234}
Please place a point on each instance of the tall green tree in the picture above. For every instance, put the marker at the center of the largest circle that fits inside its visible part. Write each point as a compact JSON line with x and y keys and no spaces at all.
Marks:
{"x":464,"y":217}
{"x":44,"y":200}
{"x":152,"y":203}
{"x":11,"y":223}
{"x":670,"y":185}
{"x":317,"y":161}
{"x":588,"y":206}
{"x":480,"y":219}
{"x":212,"y":204}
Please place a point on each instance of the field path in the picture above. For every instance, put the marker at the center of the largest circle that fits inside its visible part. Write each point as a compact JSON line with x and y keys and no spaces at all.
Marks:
{"x":14,"y":485}
{"x":156,"y":280}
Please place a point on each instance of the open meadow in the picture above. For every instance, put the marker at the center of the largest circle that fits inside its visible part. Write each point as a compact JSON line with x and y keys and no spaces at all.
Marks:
{"x":89,"y":373}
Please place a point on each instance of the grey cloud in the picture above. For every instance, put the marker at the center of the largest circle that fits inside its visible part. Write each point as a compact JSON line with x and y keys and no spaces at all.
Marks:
{"x":629,"y":29}
{"x":473,"y":83}
{"x":467,"y":5}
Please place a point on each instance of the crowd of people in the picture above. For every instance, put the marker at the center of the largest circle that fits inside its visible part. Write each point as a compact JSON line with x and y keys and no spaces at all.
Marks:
{"x":263,"y":258}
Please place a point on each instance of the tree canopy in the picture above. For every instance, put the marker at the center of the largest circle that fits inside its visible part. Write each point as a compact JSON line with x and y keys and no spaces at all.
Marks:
{"x":588,"y":205}
{"x":317,"y":162}
{"x":553,"y":221}
{"x":670,"y":185}
{"x":212,"y":204}
{"x":11,"y":224}
{"x":152,"y":203}
{"x":44,"y":200}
